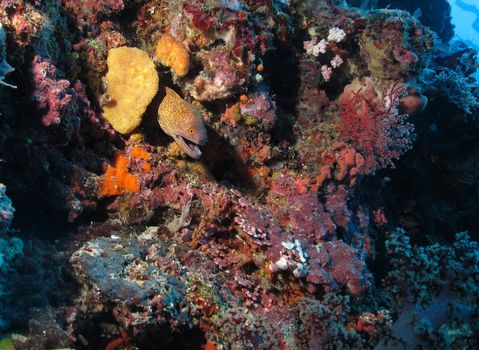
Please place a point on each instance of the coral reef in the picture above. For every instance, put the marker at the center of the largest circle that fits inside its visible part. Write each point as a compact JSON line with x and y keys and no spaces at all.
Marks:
{"x":455,"y":87}
{"x":54,"y":97}
{"x":153,"y":282}
{"x":88,"y":12}
{"x":5,"y":68}
{"x":439,"y":295}
{"x":313,"y":180}
{"x":372,"y":124}
{"x":436,"y":16}
{"x":6,"y":210}
{"x":394,"y":54}
{"x":9,"y":250}
{"x":24,"y":265}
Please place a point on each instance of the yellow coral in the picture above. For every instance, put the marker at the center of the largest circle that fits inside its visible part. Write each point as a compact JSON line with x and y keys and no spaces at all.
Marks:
{"x":6,"y":342}
{"x":173,"y":54}
{"x":376,"y":57}
{"x":132,"y":84}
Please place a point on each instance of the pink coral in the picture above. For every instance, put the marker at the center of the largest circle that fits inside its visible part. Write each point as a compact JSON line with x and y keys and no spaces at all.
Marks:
{"x":336,"y":61}
{"x":345,"y":267}
{"x":343,"y":163}
{"x":372,"y":124}
{"x":198,"y":18}
{"x":9,"y":3}
{"x":62,"y":102}
{"x":314,"y":48}
{"x":299,"y":209}
{"x":227,"y":66}
{"x":326,"y":72}
{"x":262,"y":107}
{"x":53,"y":96}
{"x":336,"y":205}
{"x":402,"y":40}
{"x":220,"y":77}
{"x":88,"y":11}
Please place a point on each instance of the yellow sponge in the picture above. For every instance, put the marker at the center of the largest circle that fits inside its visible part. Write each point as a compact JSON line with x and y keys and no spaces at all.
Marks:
{"x":132,"y":84}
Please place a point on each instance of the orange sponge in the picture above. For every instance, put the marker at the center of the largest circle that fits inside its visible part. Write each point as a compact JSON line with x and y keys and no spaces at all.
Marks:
{"x":118,"y":180}
{"x":173,"y":54}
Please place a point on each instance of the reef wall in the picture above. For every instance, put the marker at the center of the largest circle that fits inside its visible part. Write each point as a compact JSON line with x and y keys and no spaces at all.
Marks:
{"x":236,"y":175}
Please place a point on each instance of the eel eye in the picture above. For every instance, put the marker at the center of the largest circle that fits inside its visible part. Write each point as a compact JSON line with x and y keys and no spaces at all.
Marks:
{"x":191,"y":131}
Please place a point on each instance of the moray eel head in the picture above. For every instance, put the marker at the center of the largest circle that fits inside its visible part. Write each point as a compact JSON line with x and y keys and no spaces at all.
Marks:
{"x":183,"y":122}
{"x":191,"y":140}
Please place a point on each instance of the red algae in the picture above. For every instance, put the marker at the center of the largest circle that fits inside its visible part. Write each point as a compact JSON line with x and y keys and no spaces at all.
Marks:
{"x":291,"y":217}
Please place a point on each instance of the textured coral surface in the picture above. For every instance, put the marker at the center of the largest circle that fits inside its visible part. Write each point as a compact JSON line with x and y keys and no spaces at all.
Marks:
{"x":236,"y":175}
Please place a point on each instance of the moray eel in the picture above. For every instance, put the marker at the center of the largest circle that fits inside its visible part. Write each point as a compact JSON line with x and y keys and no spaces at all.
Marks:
{"x":180,"y":120}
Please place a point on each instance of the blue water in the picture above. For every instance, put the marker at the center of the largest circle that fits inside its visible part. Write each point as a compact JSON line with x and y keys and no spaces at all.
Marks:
{"x":465,"y":16}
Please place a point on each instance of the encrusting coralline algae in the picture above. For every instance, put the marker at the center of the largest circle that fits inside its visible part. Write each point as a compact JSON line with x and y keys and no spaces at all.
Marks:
{"x":235,"y":175}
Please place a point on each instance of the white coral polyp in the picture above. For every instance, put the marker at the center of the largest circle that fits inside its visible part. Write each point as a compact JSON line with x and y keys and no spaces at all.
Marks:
{"x":336,"y":34}
{"x":314,"y":48}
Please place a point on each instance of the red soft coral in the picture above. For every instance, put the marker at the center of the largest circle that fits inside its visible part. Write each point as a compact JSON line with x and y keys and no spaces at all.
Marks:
{"x":372,"y":124}
{"x":53,"y":96}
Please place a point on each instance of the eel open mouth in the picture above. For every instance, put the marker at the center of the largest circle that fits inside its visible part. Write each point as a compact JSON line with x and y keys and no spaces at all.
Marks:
{"x":188,"y":146}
